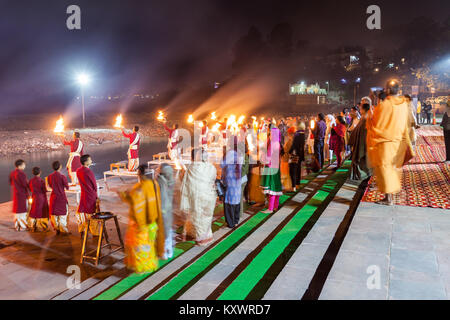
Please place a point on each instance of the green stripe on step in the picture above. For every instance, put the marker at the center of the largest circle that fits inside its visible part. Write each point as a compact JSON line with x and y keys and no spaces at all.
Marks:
{"x":135,"y":278}
{"x":254,"y":272}
{"x":210,"y":258}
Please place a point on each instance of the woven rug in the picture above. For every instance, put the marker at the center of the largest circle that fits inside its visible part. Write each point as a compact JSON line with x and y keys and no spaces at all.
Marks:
{"x":426,"y":179}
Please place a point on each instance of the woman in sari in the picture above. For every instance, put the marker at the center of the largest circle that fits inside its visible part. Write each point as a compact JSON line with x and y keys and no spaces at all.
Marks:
{"x":337,"y":139}
{"x":331,"y":122}
{"x":286,"y":180}
{"x":144,"y":240}
{"x":271,"y":180}
{"x":166,"y":184}
{"x":255,"y":194}
{"x":198,"y":198}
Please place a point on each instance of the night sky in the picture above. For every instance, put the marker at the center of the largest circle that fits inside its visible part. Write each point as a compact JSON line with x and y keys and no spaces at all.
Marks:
{"x":132,"y":46}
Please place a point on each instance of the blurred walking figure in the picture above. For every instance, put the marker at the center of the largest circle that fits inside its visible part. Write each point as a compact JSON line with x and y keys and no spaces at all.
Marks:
{"x":331,"y":122}
{"x":166,"y":184}
{"x":198,"y":198}
{"x":412,"y":121}
{"x":296,"y":156}
{"x":144,"y":240}
{"x":337,"y":139}
{"x":428,"y":109}
{"x":271,"y":180}
{"x":387,"y":136}
{"x":359,"y":147}
{"x":20,"y":188}
{"x":286,"y":180}
{"x":319,"y":137}
{"x":89,"y":203}
{"x":445,"y":124}
{"x":59,"y":207}
{"x":231,"y":177}
{"x":419,"y":112}
{"x":39,"y":206}
{"x":76,"y":151}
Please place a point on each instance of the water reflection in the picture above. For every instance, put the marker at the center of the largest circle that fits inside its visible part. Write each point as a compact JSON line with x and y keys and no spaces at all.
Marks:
{"x":102,"y":155}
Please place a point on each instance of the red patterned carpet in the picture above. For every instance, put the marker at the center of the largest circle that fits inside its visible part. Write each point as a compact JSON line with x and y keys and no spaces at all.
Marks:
{"x":426,"y":179}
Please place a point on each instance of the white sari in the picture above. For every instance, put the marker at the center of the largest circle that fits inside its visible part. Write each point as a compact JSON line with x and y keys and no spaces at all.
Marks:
{"x":198,"y":199}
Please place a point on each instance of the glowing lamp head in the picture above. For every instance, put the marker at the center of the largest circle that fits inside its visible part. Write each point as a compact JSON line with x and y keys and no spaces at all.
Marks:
{"x":190,"y":118}
{"x":83,"y":79}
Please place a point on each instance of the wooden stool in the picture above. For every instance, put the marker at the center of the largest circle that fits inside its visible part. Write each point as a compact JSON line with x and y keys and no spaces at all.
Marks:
{"x":117,"y":166}
{"x":159,"y":156}
{"x":101,"y":218}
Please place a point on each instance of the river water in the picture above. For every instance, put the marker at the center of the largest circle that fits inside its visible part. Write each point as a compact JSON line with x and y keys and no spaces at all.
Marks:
{"x":102,"y":155}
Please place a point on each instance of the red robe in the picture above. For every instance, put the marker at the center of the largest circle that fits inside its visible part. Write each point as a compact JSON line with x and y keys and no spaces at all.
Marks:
{"x":18,"y":181}
{"x":88,"y":186}
{"x":39,"y":207}
{"x":337,"y":140}
{"x":132,"y":137}
{"x":171,"y":132}
{"x":58,"y":198}
{"x":76,"y":163}
{"x":204,"y":137}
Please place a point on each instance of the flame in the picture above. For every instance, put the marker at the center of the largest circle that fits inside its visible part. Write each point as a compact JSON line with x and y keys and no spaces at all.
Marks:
{"x":251,"y":146}
{"x":30,"y":200}
{"x":213,"y":116}
{"x":59,"y":128}
{"x":241,"y":120}
{"x":312,"y":124}
{"x":160,"y":116}
{"x":119,"y":120}
{"x":200,"y":124}
{"x":216,"y":127}
{"x":255,"y":124}
{"x":190,"y":118}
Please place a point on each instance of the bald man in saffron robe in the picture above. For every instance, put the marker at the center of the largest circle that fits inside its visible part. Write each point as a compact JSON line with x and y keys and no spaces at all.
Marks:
{"x":387,"y":130}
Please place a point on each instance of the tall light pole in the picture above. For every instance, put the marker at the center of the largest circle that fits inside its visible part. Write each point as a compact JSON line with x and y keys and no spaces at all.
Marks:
{"x":83,"y":80}
{"x":357,"y":81}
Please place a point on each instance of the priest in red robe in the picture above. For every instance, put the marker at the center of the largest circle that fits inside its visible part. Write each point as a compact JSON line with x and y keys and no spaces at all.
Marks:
{"x":88,"y":200}
{"x":76,"y":151}
{"x":20,"y":192}
{"x":39,"y":205}
{"x":133,"y":150}
{"x":59,"y":208}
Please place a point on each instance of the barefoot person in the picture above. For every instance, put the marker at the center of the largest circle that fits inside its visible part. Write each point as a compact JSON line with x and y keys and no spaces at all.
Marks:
{"x":58,"y":201}
{"x":76,"y":151}
{"x":39,"y":206}
{"x":387,"y":131}
{"x":133,"y":150}
{"x":18,"y":181}
{"x":88,"y":200}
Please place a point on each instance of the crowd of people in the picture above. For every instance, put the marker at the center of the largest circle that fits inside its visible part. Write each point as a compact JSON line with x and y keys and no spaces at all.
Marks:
{"x":260,"y":161}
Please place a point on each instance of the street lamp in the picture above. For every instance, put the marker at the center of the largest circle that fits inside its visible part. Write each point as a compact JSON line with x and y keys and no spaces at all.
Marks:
{"x":356,"y":86}
{"x":83,"y":80}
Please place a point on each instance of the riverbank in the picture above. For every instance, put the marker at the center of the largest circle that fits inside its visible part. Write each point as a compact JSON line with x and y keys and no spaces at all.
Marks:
{"x":24,"y":142}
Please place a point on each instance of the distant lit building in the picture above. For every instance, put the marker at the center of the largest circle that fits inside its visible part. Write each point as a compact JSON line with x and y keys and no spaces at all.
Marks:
{"x":302,"y":94}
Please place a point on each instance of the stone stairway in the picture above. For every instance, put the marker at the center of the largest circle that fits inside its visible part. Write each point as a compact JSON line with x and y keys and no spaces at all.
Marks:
{"x":276,"y":256}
